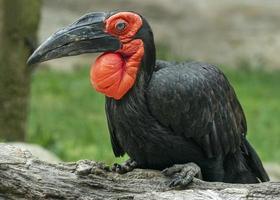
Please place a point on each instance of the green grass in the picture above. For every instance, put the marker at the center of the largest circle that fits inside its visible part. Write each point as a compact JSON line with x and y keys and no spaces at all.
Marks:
{"x":67,"y":115}
{"x":259,"y":94}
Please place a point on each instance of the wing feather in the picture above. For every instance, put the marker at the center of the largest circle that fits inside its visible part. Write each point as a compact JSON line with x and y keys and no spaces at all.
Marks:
{"x":196,"y":100}
{"x":118,"y":151}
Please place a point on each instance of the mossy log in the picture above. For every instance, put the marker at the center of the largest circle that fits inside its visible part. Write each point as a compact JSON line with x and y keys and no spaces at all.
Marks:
{"x":22,"y":176}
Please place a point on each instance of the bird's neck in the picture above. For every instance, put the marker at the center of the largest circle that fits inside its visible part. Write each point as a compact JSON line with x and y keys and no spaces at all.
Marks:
{"x":114,"y":74}
{"x":149,"y":59}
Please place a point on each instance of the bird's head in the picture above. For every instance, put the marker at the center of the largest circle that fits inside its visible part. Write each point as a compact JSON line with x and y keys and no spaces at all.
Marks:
{"x":125,"y":38}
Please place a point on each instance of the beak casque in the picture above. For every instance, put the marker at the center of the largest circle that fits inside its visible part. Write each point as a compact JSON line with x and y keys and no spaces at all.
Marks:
{"x":86,"y":35}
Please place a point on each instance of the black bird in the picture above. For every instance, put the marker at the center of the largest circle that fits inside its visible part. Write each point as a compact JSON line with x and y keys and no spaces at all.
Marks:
{"x":164,"y":115}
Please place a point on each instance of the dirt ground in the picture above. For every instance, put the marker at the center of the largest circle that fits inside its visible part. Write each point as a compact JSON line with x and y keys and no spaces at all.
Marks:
{"x":217,"y":31}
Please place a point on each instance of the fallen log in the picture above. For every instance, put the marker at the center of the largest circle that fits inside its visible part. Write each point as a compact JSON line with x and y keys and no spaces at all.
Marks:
{"x":22,"y":176}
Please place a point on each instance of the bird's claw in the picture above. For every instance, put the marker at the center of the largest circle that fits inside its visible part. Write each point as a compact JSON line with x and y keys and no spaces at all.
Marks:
{"x":127,"y":166}
{"x":182,"y":174}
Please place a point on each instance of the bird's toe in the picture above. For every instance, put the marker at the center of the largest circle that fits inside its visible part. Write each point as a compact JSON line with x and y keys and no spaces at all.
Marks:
{"x":128,"y":166}
{"x":182,"y":175}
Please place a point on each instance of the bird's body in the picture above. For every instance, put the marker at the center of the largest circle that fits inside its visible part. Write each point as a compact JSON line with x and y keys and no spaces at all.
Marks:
{"x":169,"y":120}
{"x":160,"y":113}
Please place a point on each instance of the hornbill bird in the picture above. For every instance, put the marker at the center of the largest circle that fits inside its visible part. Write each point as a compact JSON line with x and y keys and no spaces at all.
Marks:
{"x":182,"y":118}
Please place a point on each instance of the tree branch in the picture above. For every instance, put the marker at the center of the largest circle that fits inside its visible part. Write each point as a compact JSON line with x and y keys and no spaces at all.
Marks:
{"x":22,"y":176}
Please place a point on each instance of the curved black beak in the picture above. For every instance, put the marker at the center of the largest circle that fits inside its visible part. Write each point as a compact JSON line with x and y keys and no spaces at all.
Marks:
{"x":84,"y":36}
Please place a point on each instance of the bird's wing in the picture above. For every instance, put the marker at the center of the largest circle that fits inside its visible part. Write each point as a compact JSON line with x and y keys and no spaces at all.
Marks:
{"x":117,"y":149}
{"x":196,"y":100}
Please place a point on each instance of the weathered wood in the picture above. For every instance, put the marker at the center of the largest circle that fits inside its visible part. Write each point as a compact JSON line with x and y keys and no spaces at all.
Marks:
{"x":22,"y":176}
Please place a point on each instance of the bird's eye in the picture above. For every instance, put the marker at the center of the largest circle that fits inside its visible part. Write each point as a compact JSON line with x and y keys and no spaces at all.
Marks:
{"x":121,"y":25}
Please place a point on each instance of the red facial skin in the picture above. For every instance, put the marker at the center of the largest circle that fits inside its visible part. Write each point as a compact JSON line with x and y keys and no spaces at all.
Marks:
{"x":114,"y":73}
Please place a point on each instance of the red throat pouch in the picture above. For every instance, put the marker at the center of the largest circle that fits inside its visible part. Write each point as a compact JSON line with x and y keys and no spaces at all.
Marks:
{"x":113,"y":74}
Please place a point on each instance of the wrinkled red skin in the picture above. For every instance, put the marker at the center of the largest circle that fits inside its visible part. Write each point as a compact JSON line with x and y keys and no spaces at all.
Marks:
{"x":114,"y":73}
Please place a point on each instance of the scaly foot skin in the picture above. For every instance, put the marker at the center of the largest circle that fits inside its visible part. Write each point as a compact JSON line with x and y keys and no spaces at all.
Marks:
{"x":182,"y":174}
{"x":127,"y":166}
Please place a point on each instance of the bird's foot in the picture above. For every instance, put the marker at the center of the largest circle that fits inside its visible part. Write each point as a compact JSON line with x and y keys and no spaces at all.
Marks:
{"x":182,"y":174}
{"x":127,"y":166}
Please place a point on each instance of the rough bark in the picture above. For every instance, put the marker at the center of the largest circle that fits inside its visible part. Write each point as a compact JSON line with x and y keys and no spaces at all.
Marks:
{"x":22,"y":176}
{"x":19,"y":24}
